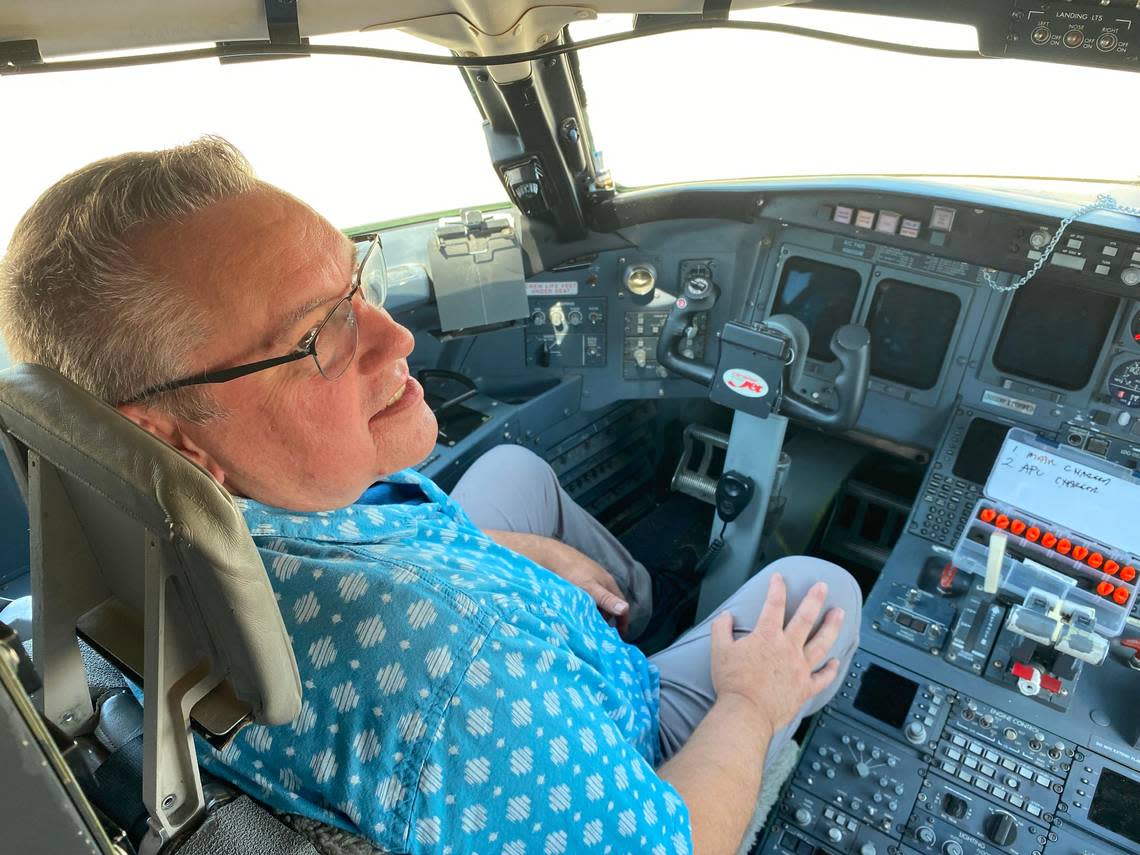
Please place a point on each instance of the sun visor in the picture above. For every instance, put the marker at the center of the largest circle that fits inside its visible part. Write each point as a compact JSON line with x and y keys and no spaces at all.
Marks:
{"x":477,"y":273}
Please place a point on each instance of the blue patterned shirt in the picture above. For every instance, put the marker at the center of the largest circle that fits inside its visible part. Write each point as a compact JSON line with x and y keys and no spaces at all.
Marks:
{"x":457,"y":697}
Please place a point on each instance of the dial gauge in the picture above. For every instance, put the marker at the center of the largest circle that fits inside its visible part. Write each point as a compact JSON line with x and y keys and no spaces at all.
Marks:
{"x":1124,"y":384}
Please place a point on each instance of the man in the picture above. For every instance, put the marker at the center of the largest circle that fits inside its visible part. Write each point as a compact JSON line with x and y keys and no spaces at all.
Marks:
{"x":458,"y":695}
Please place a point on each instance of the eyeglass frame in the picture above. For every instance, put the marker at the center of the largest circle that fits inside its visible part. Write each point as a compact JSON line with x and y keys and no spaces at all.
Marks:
{"x":306,"y":347}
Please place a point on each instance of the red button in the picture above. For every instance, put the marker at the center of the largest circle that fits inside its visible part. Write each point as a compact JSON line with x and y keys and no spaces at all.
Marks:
{"x":1121,"y":595}
{"x":988,"y":515}
{"x":1127,"y":572}
{"x":1080,"y":552}
{"x":1017,"y":526}
{"x":1105,"y":588}
{"x":1033,"y":533}
{"x":1048,"y":539}
{"x":1111,"y":567}
{"x":1063,"y":546}
{"x":1002,"y":521}
{"x":1096,"y":560}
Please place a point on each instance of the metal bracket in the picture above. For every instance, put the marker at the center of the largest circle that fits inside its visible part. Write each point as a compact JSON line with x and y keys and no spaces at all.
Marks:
{"x":284,"y":29}
{"x":281,"y":20}
{"x":696,"y":481}
{"x":18,"y":54}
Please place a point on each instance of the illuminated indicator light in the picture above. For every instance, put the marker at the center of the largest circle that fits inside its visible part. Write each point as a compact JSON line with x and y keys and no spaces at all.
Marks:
{"x":1111,"y":567}
{"x":1002,"y":521}
{"x":1063,"y":546}
{"x":1017,"y":526}
{"x":1128,"y":573}
{"x":1080,"y":552}
{"x":1033,"y":533}
{"x":1048,"y":539}
{"x":1120,"y":595}
{"x":1096,"y":560}
{"x":1105,"y":588}
{"x":988,"y":515}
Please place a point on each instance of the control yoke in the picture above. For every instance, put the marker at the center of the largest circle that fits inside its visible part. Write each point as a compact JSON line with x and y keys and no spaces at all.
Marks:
{"x":757,"y":362}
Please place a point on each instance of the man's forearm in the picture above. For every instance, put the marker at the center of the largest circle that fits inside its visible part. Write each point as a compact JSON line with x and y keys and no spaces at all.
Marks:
{"x":544,"y":551}
{"x":718,"y":773}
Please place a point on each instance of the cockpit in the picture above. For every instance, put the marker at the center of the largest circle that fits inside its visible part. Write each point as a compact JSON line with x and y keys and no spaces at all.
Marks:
{"x":755,"y":280}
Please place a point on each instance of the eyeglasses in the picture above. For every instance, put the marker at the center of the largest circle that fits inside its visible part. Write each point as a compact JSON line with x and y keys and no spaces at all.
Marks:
{"x":331,"y":343}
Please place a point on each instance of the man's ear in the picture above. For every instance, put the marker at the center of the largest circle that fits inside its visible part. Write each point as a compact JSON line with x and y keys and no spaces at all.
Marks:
{"x":166,"y":427}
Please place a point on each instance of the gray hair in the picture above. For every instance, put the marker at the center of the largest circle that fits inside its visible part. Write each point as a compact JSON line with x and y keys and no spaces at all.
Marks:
{"x":75,"y":296}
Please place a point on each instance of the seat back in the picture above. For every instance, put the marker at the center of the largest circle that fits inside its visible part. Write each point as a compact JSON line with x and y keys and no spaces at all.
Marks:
{"x":146,"y":556}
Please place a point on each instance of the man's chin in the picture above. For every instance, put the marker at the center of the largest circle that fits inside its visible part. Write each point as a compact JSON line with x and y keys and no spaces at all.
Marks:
{"x":418,"y":441}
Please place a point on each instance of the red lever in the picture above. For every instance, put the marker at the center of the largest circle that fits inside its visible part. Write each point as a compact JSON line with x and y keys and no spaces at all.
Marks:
{"x":1132,"y":644}
{"x":946,"y":580}
{"x":1028,"y":672}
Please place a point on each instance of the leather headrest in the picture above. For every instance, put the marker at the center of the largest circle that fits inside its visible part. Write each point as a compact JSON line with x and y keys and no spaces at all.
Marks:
{"x":150,"y":482}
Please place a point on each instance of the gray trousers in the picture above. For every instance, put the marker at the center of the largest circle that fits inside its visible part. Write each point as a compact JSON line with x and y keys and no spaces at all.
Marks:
{"x":512,"y":489}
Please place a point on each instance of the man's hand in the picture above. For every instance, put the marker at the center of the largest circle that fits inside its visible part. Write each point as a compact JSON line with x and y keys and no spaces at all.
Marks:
{"x":774,"y":667}
{"x":762,"y":680}
{"x":573,"y":566}
{"x":583,"y":571}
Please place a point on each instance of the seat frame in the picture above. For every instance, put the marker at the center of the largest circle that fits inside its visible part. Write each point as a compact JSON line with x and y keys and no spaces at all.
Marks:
{"x":115,"y":559}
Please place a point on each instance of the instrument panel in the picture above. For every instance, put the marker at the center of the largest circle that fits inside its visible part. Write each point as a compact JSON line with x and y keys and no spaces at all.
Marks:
{"x":936,"y":742}
{"x":932,"y":745}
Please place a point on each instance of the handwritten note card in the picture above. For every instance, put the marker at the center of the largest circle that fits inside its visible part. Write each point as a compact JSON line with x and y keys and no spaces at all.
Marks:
{"x":1075,"y":495}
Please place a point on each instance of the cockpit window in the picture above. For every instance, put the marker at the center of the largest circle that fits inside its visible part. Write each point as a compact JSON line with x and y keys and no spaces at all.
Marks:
{"x":362,"y":140}
{"x":718,"y":104}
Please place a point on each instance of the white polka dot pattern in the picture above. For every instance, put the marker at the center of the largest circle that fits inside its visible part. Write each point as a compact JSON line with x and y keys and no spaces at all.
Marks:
{"x":457,"y":697}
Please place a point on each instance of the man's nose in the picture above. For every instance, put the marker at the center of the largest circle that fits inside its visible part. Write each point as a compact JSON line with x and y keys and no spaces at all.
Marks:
{"x":381,"y":339}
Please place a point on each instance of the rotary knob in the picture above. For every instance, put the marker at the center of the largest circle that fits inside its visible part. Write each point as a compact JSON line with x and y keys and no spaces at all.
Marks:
{"x":862,"y":770}
{"x":802,"y":817}
{"x":926,"y":836}
{"x":868,"y":849}
{"x":1130,"y":276}
{"x":1001,"y":828}
{"x":954,"y":806}
{"x":698,"y":286}
{"x":1039,"y":239}
{"x":952,"y":847}
{"x":915,"y":733}
{"x":834,"y":835}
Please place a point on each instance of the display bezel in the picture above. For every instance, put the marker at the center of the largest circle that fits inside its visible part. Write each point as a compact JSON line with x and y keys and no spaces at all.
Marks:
{"x":1077,"y":796}
{"x":838,"y":263}
{"x":1040,"y":388}
{"x":925,"y":397}
{"x":789,"y":252}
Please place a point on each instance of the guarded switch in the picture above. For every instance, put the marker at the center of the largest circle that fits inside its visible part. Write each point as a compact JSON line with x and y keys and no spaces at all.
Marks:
{"x":954,"y":806}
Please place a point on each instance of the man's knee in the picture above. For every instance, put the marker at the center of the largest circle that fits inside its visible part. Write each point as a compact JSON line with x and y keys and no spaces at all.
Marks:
{"x":511,"y":488}
{"x":800,"y":572}
{"x":514,"y":464}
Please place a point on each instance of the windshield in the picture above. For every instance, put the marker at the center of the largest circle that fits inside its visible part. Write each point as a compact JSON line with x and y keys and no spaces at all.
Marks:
{"x":718,"y":104}
{"x":361,"y":140}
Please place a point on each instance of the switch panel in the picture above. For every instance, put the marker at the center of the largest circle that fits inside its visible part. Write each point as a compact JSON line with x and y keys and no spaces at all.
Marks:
{"x":566,"y":333}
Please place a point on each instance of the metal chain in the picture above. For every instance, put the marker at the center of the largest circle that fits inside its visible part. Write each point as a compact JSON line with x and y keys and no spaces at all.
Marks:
{"x":1103,"y":202}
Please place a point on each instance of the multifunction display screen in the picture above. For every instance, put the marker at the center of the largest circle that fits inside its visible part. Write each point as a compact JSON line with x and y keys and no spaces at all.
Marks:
{"x":1054,"y":334}
{"x":886,"y":696}
{"x":822,"y":296}
{"x":910,"y":328}
{"x":979,"y":450}
{"x":1116,"y":805}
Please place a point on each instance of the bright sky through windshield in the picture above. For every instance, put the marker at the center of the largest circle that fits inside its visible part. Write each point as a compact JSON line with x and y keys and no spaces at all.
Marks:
{"x":367,"y":140}
{"x":360,"y":140}
{"x":729,"y":104}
